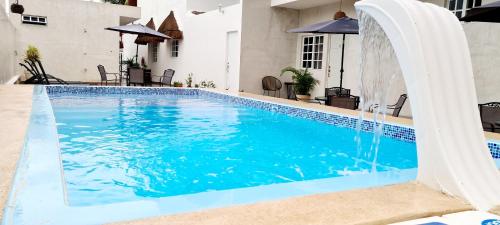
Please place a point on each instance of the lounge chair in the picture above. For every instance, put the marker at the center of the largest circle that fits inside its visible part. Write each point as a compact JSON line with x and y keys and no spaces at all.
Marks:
{"x":490,"y":116}
{"x":270,"y":83}
{"x":166,"y":79}
{"x":396,"y":108}
{"x":104,"y":76}
{"x":35,"y":68}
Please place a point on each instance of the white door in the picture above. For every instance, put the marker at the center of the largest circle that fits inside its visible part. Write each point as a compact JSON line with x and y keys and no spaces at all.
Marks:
{"x":232,"y":61}
{"x":334,"y":61}
{"x":313,"y":56}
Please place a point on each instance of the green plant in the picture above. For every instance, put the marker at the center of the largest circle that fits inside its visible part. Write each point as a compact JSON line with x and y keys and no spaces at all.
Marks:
{"x":189,"y":80}
{"x":32,"y":53}
{"x":207,"y":84}
{"x":196,"y":85}
{"x":303,"y":79}
{"x":178,"y":84}
{"x":131,"y":63}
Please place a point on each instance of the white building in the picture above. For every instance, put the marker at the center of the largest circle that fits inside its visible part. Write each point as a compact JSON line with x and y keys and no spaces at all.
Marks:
{"x":69,"y":34}
{"x":236,"y":43}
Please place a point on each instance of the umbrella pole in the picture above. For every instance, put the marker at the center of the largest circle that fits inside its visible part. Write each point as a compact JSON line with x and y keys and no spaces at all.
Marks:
{"x":342,"y":63}
{"x":136,"y":53}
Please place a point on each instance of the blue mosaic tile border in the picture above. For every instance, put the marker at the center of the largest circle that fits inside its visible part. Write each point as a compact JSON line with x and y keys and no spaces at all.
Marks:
{"x":104,"y":90}
{"x":494,"y":149}
{"x":389,"y":130}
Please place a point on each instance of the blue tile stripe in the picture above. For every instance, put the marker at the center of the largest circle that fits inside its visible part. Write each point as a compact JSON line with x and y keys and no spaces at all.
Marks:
{"x":389,"y":130}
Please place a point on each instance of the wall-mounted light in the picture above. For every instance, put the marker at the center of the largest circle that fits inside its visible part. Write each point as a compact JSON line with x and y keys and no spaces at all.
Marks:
{"x":339,"y":14}
{"x":17,"y":8}
{"x":220,"y":9}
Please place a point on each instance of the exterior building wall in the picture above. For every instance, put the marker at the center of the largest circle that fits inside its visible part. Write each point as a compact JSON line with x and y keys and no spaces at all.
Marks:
{"x":74,"y":41}
{"x":484,"y":49}
{"x":483,"y":45}
{"x":202,"y":52}
{"x":7,"y":46}
{"x":266,"y":47}
{"x":208,"y":5}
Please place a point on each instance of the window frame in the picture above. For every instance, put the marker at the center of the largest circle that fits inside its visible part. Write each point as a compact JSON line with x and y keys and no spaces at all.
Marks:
{"x":312,"y":51}
{"x":154,"y":51}
{"x":32,"y":19}
{"x":460,"y":10}
{"x":174,"y":48}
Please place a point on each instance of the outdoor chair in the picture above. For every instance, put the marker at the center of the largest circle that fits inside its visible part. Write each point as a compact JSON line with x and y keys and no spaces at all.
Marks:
{"x":396,"y":107}
{"x":166,"y":79}
{"x":136,"y":76}
{"x":38,"y":74}
{"x":104,"y":76}
{"x":270,"y":83}
{"x":490,"y":116}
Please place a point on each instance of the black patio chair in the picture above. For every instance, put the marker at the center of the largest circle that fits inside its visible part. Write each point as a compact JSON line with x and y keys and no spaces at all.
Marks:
{"x":270,"y":83}
{"x":396,"y":108}
{"x":104,"y":76}
{"x":490,"y":116}
{"x":38,"y":74}
{"x":136,"y":76}
{"x":166,"y":79}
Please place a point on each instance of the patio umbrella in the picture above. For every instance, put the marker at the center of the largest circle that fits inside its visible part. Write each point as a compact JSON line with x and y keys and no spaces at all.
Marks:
{"x":345,"y":25}
{"x":140,"y":30}
{"x":486,"y":13}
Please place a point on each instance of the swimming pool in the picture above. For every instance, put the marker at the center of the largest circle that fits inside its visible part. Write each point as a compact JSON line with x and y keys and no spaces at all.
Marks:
{"x":113,"y":154}
{"x":122,"y":148}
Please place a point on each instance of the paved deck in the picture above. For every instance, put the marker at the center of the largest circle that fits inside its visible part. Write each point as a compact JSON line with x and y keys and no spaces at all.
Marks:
{"x":366,"y":206}
{"x":15,"y":109}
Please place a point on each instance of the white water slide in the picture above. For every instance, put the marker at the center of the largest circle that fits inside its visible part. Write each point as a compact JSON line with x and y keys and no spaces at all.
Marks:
{"x":431,"y":48}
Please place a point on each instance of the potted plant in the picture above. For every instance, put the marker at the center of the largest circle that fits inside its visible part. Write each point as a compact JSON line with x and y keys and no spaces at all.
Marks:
{"x":32,"y":53}
{"x":130,"y":62}
{"x":178,"y":84}
{"x":303,"y":81}
{"x":189,"y":80}
{"x":207,"y":84}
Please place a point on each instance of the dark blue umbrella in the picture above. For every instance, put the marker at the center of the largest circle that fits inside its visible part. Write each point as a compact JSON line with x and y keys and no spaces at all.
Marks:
{"x":486,"y":13}
{"x":342,"y":26}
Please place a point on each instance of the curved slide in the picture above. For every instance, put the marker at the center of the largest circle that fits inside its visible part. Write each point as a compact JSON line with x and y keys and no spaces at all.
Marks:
{"x":432,"y":50}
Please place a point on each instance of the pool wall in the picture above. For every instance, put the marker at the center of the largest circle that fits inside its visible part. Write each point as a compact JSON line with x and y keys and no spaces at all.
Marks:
{"x":391,"y":130}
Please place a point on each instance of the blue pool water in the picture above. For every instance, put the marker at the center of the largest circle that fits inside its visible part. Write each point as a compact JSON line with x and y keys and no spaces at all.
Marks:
{"x":123,"y":148}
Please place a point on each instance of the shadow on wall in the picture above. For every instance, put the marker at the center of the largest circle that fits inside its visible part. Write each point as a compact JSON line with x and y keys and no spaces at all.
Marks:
{"x":7,"y":54}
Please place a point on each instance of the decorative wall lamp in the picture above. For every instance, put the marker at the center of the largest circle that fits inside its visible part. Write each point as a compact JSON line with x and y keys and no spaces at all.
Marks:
{"x":17,"y":8}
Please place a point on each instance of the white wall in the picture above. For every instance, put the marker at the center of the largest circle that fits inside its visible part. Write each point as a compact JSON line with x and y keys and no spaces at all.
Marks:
{"x":208,"y":5}
{"x":74,"y":41}
{"x":485,"y":48}
{"x":203,"y":49}
{"x":7,"y":46}
{"x":266,"y":47}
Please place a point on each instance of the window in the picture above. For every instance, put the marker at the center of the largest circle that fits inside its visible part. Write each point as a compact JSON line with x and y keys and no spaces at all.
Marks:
{"x":154,"y":51}
{"x":460,"y":7}
{"x":312,"y":52}
{"x":175,"y":48}
{"x":39,"y":20}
